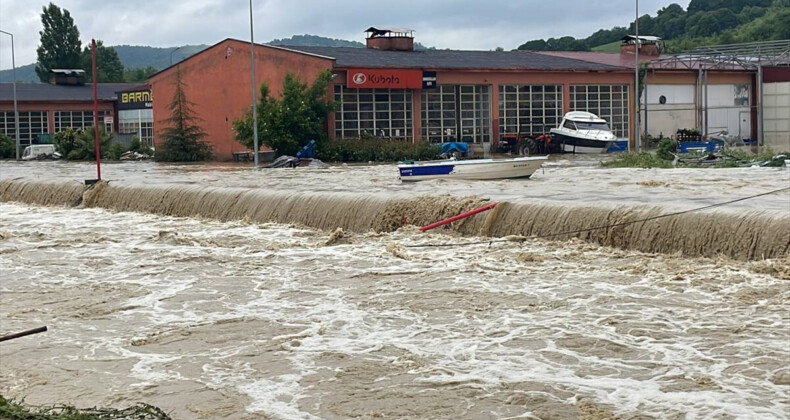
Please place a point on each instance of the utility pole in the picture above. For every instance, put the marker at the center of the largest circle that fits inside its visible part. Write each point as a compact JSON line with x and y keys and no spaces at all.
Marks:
{"x":16,"y":110}
{"x":254,"y":99}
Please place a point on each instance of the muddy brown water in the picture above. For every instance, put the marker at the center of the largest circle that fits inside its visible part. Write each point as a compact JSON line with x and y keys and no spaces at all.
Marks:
{"x":224,"y":315}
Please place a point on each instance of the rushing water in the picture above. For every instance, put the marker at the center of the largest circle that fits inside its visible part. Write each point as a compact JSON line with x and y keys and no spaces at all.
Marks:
{"x":235,"y":319}
{"x":212,"y":319}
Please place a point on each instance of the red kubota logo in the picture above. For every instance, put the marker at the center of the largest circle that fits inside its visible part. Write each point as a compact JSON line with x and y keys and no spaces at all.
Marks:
{"x":360,"y":78}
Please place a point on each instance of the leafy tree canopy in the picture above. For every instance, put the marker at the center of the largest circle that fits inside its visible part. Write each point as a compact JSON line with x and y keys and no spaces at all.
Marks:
{"x":138,"y":74}
{"x":60,"y":42}
{"x":287,"y":124}
{"x":108,"y":66}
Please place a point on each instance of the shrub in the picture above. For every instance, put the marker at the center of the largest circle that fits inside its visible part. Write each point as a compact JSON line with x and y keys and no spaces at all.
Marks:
{"x":375,"y":150}
{"x":666,"y":148}
{"x":7,"y":145}
{"x":637,"y":160}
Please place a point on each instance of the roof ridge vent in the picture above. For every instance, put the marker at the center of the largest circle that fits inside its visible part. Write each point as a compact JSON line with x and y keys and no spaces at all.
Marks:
{"x":392,"y":39}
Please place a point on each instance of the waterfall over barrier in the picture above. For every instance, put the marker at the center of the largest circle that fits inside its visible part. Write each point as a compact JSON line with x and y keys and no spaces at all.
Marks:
{"x":747,"y":236}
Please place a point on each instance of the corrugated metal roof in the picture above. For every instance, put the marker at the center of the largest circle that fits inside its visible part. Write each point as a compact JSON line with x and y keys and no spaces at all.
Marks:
{"x":49,"y":92}
{"x":451,"y":59}
{"x":612,"y":59}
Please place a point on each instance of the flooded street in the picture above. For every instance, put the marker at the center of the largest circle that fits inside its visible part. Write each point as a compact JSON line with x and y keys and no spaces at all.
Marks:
{"x":240,"y":319}
{"x":565,"y":180}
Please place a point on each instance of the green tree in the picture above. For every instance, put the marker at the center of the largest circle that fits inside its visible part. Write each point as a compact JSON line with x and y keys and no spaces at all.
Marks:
{"x":289,"y":123}
{"x":108,"y":66}
{"x":60,"y":42}
{"x":534,"y":45}
{"x":81,"y":144}
{"x":182,"y":139}
{"x":66,"y":141}
{"x":138,"y":74}
{"x":6,"y":147}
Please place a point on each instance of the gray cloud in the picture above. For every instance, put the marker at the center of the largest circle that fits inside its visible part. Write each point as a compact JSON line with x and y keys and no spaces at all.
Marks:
{"x":455,"y":24}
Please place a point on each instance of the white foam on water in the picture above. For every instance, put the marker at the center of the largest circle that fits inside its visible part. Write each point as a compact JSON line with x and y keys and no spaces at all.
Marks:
{"x":639,"y":334}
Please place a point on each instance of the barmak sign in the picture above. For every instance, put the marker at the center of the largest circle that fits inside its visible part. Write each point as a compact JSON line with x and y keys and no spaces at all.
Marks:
{"x":384,"y":78}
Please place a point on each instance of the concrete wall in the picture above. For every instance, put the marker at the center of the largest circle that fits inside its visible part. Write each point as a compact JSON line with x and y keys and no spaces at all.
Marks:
{"x":776,"y":116}
{"x":675,"y":113}
{"x":218,"y":84}
{"x":729,"y":95}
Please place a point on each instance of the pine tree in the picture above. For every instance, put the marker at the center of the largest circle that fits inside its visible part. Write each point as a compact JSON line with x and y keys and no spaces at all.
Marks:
{"x":60,"y":42}
{"x":182,"y":140}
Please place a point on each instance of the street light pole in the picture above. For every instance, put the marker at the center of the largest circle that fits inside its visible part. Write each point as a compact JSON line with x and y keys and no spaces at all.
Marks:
{"x":171,"y":55}
{"x":636,"y":80}
{"x":254,"y":100}
{"x":16,"y":110}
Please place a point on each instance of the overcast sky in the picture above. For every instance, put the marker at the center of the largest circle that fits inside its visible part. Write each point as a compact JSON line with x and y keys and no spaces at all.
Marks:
{"x":455,"y":24}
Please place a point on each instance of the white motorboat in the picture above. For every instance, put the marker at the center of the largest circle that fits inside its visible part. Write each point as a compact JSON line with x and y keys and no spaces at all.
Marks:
{"x":583,"y":132}
{"x":474,"y":169}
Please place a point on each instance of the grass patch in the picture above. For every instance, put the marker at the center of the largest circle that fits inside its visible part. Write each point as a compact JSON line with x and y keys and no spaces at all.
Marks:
{"x":611,"y":47}
{"x":12,"y":410}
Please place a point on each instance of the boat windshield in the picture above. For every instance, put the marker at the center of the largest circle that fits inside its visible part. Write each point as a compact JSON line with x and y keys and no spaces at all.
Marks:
{"x":591,"y":126}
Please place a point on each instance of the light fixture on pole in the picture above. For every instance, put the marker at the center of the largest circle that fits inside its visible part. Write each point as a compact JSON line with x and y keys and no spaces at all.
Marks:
{"x":254,"y":100}
{"x":636,"y":79}
{"x":16,"y":110}
{"x":171,"y":54}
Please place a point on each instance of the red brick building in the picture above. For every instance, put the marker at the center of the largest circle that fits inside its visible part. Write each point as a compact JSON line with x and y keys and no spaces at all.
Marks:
{"x":390,"y":90}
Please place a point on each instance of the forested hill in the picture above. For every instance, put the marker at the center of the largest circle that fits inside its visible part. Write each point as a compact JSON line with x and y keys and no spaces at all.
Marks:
{"x":137,"y":57}
{"x":705,"y":22}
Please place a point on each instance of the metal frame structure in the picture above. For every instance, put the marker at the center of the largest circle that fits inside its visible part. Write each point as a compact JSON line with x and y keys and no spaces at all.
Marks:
{"x":750,"y":56}
{"x":747,"y":56}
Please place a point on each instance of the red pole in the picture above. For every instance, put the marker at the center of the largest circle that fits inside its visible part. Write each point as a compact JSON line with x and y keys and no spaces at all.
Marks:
{"x":95,"y":111}
{"x":463,"y":215}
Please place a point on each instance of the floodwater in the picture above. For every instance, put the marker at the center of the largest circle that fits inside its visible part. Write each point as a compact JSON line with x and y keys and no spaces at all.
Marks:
{"x":239,"y":319}
{"x":573,"y":181}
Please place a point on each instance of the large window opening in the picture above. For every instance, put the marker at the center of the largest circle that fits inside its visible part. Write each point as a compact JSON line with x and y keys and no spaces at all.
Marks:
{"x":138,"y":122}
{"x":385,"y":113}
{"x":80,"y":119}
{"x":457,"y":113}
{"x":31,"y":125}
{"x":609,"y":102}
{"x":529,"y":109}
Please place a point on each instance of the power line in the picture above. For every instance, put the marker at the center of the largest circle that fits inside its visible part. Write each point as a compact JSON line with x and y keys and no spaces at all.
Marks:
{"x":571,"y":232}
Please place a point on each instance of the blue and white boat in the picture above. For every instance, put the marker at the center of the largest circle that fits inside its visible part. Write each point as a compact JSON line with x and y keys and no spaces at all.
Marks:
{"x":474,"y":169}
{"x":583,"y":132}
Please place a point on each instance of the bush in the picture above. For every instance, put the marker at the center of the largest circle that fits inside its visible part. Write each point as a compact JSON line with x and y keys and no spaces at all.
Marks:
{"x":7,"y":147}
{"x":375,"y":150}
{"x":666,"y":148}
{"x":136,"y":146}
{"x":115,"y":151}
{"x":637,"y":160}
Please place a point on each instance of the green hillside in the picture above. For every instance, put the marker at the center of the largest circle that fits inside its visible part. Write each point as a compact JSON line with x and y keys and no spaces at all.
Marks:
{"x":610,"y":47}
{"x":704,"y":22}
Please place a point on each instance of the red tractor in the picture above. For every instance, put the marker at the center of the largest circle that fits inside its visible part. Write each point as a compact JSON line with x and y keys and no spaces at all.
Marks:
{"x":524,"y":144}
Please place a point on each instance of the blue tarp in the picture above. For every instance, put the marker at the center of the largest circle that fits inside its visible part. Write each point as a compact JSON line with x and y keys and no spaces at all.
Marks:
{"x":709,"y":146}
{"x":307,"y":151}
{"x":450,"y":146}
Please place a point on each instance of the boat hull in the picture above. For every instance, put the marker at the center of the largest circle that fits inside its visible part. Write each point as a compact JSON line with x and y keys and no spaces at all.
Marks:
{"x":475,"y":169}
{"x":571,"y":144}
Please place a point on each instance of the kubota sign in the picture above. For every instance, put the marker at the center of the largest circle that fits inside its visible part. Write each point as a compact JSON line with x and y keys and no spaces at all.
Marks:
{"x":384,"y":78}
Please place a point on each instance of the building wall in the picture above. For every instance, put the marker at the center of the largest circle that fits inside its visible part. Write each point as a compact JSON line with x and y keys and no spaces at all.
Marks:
{"x":729,"y":99}
{"x":776,"y":116}
{"x":217,"y":83}
{"x":494,"y":79}
{"x":27,"y":136}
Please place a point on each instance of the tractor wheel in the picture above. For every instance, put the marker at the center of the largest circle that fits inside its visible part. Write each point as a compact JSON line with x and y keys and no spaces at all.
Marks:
{"x":528,"y":147}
